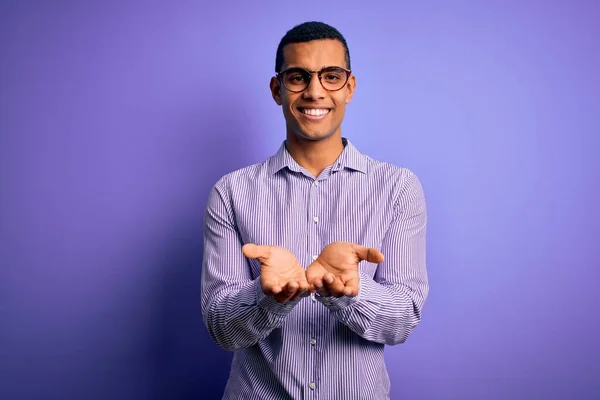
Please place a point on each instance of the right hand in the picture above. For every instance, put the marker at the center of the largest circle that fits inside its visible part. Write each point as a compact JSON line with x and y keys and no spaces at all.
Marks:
{"x":281,"y":275}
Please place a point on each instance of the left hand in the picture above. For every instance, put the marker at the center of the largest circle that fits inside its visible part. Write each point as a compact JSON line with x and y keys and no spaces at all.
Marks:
{"x":335,"y":271}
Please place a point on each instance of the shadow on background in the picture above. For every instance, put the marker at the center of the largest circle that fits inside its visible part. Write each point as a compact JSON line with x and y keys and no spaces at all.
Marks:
{"x":188,"y":364}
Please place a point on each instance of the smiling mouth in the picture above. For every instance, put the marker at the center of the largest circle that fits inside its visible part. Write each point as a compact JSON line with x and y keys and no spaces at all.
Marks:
{"x":314,"y":113}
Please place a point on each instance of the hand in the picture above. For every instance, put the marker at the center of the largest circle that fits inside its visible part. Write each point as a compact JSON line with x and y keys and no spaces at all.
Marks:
{"x":335,"y":271}
{"x":281,"y":275}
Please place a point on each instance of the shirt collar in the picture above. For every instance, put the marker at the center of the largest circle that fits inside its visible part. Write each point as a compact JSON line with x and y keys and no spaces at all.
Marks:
{"x":350,"y":158}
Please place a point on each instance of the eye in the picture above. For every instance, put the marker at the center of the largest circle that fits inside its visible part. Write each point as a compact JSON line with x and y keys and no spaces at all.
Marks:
{"x":295,"y":77}
{"x":333,"y":75}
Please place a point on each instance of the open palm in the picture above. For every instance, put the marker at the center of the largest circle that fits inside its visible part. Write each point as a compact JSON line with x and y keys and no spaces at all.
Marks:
{"x":281,"y":275}
{"x":335,"y":272}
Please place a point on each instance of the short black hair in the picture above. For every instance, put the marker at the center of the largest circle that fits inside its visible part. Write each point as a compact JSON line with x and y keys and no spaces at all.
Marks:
{"x":307,"y":32}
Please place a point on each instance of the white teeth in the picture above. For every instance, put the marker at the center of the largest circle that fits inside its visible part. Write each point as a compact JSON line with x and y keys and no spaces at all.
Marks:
{"x":315,"y":112}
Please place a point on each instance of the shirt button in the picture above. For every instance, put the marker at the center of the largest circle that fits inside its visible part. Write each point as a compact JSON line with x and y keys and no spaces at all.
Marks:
{"x":314,"y":257}
{"x":313,"y":298}
{"x":316,"y":219}
{"x":316,"y":183}
{"x":312,"y":385}
{"x":313,"y":341}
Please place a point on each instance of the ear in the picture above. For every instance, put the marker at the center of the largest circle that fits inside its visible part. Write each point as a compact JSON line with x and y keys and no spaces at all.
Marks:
{"x":350,"y":86}
{"x":275,"y":90}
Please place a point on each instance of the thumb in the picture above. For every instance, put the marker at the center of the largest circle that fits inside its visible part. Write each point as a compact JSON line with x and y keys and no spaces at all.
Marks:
{"x":251,"y":250}
{"x":369,"y":254}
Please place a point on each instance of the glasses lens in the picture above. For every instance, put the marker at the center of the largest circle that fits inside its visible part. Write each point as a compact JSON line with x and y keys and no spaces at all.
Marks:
{"x":333,"y":78}
{"x":296,"y":79}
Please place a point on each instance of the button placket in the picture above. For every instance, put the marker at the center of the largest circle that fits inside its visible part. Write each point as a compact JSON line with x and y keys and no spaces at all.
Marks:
{"x":314,"y":242}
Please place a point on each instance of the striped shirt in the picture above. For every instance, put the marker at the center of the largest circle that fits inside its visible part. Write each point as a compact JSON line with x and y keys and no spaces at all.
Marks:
{"x":314,"y":347}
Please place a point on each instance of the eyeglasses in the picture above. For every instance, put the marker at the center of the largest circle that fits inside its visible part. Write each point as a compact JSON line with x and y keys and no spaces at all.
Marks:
{"x":297,"y":79}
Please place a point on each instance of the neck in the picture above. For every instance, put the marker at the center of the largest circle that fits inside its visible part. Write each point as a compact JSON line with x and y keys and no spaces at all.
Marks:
{"x":314,"y":155}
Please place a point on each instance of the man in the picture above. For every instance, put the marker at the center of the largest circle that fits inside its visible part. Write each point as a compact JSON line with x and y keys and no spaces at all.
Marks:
{"x":314,"y":260}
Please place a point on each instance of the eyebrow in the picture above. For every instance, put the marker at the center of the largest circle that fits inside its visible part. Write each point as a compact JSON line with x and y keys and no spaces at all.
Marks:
{"x":308,"y":69}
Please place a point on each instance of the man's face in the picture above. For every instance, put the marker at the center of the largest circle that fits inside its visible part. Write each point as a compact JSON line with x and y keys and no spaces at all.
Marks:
{"x":315,"y":113}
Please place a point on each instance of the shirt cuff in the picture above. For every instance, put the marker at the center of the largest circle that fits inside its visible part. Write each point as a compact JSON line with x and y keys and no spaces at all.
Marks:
{"x":365,"y":291}
{"x":269,"y":304}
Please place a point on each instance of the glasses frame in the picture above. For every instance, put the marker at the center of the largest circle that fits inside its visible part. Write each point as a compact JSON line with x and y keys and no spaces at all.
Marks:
{"x":279,"y":77}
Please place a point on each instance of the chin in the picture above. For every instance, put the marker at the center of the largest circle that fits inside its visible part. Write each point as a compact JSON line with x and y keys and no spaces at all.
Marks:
{"x":314,"y":136}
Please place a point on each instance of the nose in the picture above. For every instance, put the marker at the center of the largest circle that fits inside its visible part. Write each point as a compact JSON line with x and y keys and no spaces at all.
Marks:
{"x":315,"y":90}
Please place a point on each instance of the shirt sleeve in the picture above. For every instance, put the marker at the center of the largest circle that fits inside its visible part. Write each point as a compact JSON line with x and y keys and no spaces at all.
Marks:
{"x":235,"y":310}
{"x":388,"y":306}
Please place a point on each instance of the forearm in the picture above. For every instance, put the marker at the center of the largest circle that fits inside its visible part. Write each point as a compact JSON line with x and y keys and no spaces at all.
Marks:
{"x":240,"y":315}
{"x":381,"y":313}
{"x":235,"y":310}
{"x":389,"y":302}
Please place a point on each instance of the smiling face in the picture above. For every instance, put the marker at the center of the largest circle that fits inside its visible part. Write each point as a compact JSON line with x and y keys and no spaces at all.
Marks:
{"x":315,"y":113}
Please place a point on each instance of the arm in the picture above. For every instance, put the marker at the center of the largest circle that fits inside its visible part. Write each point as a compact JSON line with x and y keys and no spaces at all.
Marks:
{"x":235,"y":310}
{"x":388,"y":306}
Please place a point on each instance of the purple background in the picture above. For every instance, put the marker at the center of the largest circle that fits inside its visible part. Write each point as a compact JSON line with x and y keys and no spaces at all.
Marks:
{"x":116,"y":119}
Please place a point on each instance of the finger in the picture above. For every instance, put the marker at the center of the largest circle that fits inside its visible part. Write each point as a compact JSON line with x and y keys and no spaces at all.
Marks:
{"x":328,"y":278}
{"x":324,"y":292}
{"x":252,"y":250}
{"x":272,"y":290}
{"x":303,"y":286}
{"x":336,"y":287}
{"x":312,"y":275}
{"x":299,"y":293}
{"x":291,"y":287}
{"x":369,"y":254}
{"x":317,"y":283}
{"x":284,"y":296}
{"x":288,"y":293}
{"x":351,"y":287}
{"x":303,"y":289}
{"x":270,"y":286}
